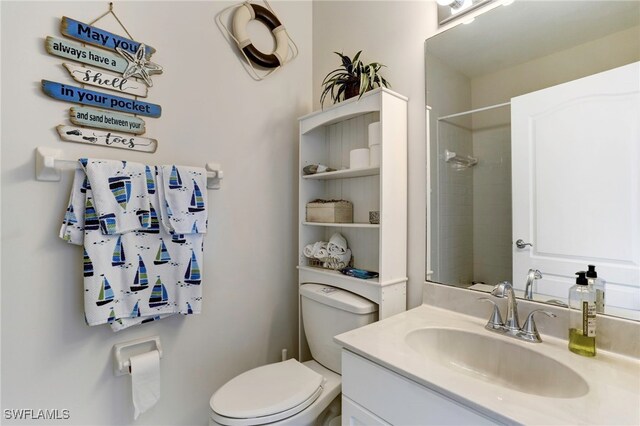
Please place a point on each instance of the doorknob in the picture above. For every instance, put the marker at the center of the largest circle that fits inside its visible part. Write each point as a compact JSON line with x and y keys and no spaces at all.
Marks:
{"x":521,"y":244}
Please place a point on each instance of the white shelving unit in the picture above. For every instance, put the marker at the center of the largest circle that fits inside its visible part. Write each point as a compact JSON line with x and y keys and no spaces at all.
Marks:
{"x":327,"y":137}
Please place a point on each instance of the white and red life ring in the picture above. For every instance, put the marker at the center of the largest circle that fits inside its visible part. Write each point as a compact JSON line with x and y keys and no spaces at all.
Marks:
{"x":245,"y":13}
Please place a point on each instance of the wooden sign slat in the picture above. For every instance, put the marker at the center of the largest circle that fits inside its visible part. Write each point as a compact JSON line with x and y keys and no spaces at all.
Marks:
{"x":91,"y":117}
{"x":79,"y":95}
{"x":102,"y":138}
{"x":86,"y":55}
{"x":106,"y":81}
{"x":98,"y":37}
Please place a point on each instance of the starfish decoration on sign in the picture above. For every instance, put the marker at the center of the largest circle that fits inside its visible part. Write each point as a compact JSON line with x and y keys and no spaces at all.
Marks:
{"x":138,"y":65}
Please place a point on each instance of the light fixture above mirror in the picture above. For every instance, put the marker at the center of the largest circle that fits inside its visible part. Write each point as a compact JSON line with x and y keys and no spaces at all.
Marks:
{"x":448,"y":10}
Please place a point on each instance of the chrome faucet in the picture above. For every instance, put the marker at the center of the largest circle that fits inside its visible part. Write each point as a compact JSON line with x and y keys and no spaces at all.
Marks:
{"x":505,"y":289}
{"x":511,"y":327}
{"x":532,"y":276}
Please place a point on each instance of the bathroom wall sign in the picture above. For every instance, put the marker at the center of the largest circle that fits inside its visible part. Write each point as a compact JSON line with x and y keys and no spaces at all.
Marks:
{"x":105,"y":138}
{"x":105,"y":80}
{"x":86,"y":55}
{"x":79,"y":95}
{"x":91,"y":117}
{"x":102,"y":60}
{"x":98,"y":37}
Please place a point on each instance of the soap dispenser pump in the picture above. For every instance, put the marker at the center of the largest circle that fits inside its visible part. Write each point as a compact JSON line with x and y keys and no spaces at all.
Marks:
{"x":582,"y":317}
{"x":598,"y":285}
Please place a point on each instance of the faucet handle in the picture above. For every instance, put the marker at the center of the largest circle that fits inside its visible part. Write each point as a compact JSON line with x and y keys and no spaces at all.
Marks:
{"x":529,"y":328}
{"x":495,"y":321}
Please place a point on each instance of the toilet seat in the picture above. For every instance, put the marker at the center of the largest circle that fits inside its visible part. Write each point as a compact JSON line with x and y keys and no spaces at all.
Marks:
{"x":266,"y":394}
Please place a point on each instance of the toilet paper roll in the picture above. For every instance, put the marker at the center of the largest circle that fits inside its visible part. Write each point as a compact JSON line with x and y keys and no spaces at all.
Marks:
{"x":374,"y":134}
{"x":374,"y":156}
{"x":145,"y":381}
{"x":359,"y":158}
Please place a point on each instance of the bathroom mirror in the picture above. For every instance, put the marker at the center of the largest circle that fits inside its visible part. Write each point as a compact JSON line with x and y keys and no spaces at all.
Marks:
{"x":481,"y":201}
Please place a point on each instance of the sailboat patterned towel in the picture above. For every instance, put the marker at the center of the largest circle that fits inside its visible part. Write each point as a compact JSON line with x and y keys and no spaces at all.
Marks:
{"x":120,"y":194}
{"x":137,"y":276}
{"x":184,"y":210}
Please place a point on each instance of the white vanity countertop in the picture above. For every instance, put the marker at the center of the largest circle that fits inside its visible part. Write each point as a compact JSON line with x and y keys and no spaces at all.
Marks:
{"x":614,"y":380}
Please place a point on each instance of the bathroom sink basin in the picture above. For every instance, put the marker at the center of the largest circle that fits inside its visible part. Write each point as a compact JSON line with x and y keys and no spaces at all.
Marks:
{"x":497,"y":361}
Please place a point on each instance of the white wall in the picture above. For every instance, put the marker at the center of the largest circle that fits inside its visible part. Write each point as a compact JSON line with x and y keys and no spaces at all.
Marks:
{"x":391,"y":32}
{"x":212,"y":111}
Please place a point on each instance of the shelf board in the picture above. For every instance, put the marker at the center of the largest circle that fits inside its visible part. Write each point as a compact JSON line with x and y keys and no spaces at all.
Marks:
{"x":343,"y":225}
{"x":338,"y":275}
{"x":344,"y":174}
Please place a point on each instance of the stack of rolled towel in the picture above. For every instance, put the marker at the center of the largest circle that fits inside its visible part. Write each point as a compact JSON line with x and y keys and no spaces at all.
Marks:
{"x":334,"y":254}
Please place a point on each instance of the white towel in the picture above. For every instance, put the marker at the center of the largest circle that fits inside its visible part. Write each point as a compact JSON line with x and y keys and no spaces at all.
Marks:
{"x":337,"y":244}
{"x":184,"y":199}
{"x":120,"y":194}
{"x":135,"y":277}
{"x":311,"y":249}
{"x":322,"y":254}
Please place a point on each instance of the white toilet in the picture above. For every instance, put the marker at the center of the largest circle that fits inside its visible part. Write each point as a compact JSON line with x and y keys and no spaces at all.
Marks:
{"x":290,"y":392}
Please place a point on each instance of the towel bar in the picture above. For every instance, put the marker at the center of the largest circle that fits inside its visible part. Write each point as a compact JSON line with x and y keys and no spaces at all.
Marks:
{"x":123,"y":366}
{"x":49,"y":166}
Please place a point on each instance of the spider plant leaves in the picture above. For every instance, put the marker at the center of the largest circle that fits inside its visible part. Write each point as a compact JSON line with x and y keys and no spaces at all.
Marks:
{"x":353,"y":73}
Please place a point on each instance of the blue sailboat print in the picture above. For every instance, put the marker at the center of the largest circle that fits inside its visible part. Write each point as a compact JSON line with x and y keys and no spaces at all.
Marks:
{"x":159,"y":295}
{"x":156,"y":318}
{"x":197,"y":202}
{"x":108,"y":224}
{"x":69,"y":216}
{"x":175,"y":181}
{"x":178,"y":238}
{"x":85,"y":185}
{"x":194,"y":228}
{"x":144,"y":217}
{"x":136,"y":310}
{"x":120,"y":187}
{"x":189,"y":310}
{"x":112,"y":316}
{"x":154,"y":225}
{"x":118,"y":258}
{"x":192,"y":275}
{"x":169,"y":211}
{"x":106,"y":293}
{"x":151,"y":182}
{"x":87,"y":264}
{"x":163,"y":254}
{"x":91,"y":222}
{"x":141,"y":281}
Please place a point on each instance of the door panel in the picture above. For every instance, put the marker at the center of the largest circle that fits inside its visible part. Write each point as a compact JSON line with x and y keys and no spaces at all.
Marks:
{"x":576,"y":187}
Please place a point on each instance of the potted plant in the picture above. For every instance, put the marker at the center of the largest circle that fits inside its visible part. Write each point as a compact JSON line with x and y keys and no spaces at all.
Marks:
{"x":352,"y":78}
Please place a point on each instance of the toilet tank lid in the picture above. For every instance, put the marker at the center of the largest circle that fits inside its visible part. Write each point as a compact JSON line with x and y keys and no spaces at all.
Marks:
{"x":338,"y":298}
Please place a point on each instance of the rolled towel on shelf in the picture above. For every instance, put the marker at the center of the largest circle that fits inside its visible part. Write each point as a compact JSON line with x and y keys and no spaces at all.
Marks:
{"x":322,"y":254}
{"x":337,"y":244}
{"x":342,"y":257}
{"x":310,"y":250}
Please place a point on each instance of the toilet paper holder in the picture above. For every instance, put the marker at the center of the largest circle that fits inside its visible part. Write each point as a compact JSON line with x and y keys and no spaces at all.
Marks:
{"x":122,"y":352}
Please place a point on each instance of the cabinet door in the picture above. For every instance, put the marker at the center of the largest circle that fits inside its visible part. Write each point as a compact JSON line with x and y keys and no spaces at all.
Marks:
{"x":355,"y":415}
{"x":576,"y":189}
{"x":398,"y":400}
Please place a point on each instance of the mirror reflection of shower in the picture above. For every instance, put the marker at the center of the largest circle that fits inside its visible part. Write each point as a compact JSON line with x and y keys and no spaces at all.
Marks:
{"x":473,"y":199}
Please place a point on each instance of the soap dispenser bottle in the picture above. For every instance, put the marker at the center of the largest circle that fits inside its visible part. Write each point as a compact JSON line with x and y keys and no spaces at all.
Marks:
{"x":598,"y":285}
{"x":582,"y":317}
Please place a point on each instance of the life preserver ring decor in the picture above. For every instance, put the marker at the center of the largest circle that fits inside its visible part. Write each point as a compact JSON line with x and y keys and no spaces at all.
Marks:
{"x":241,"y":18}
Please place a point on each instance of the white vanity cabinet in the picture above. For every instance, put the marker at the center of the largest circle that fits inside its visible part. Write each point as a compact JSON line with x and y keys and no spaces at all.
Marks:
{"x":374,"y":395}
{"x":327,"y":137}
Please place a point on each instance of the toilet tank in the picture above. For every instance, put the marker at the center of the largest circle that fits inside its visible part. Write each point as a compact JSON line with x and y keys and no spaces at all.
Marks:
{"x":328,"y":311}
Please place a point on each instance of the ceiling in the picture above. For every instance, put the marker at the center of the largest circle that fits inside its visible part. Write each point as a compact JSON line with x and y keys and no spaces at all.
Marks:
{"x":510,"y":35}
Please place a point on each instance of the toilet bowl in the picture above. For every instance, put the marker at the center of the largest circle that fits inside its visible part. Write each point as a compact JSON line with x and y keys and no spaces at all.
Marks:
{"x":290,"y":392}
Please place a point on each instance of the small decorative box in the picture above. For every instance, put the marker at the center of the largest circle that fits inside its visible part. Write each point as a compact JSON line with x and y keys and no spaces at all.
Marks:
{"x":330,"y":211}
